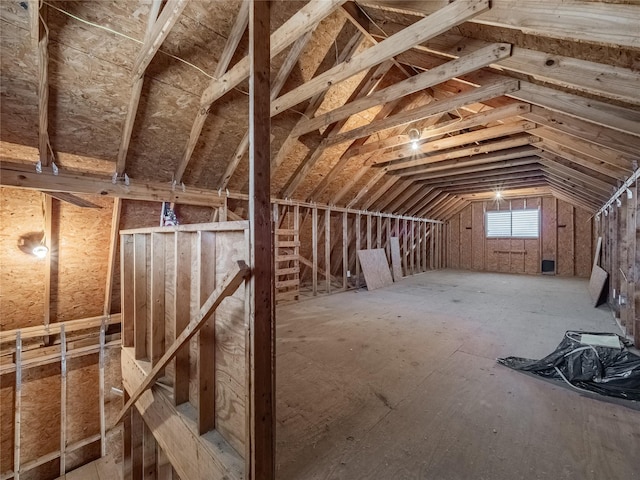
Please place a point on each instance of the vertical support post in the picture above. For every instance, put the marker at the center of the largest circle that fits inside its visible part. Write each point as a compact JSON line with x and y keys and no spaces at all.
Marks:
{"x":418,"y":245}
{"x":424,"y":245}
{"x":432,"y":234}
{"x":48,"y":235}
{"x":263,"y":349}
{"x":327,"y":249}
{"x":369,"y":231}
{"x":358,"y":238}
{"x":182,"y":299}
{"x":157,"y":296}
{"x":149,"y":454}
{"x":387,"y":243}
{"x":126,"y":285}
{"x":101,"y":362}
{"x":379,"y":232}
{"x":113,"y":245}
{"x":17,"y":408}
{"x":140,"y":295}
{"x":63,"y":399}
{"x":412,"y":251}
{"x":137,"y":451}
{"x":345,"y":249}
{"x":314,"y":249}
{"x":127,"y":461}
{"x":405,"y":234}
{"x":207,"y":335}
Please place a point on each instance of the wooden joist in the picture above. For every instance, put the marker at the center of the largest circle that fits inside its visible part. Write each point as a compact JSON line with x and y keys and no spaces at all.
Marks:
{"x":21,"y":175}
{"x":413,"y":84}
{"x":579,"y":20}
{"x":478,"y":95}
{"x":437,"y":23}
{"x":302,"y":22}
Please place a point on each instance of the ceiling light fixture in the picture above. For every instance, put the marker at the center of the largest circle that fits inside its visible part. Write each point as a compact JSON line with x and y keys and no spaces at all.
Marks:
{"x":498,"y":195}
{"x":414,"y":136}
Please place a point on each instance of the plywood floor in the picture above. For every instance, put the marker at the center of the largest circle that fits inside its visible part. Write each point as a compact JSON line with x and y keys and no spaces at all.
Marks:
{"x":401,"y":383}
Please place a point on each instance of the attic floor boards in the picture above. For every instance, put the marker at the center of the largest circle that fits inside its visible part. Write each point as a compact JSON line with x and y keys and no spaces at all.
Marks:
{"x":401,"y":383}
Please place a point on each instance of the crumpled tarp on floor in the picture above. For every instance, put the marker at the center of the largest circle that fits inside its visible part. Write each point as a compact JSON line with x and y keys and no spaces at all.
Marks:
{"x":585,"y":362}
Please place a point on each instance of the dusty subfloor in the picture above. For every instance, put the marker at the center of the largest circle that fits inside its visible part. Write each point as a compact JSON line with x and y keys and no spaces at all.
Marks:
{"x":401,"y":383}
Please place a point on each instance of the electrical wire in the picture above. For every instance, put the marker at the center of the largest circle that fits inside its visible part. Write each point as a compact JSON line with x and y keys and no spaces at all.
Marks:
{"x":115,"y":32}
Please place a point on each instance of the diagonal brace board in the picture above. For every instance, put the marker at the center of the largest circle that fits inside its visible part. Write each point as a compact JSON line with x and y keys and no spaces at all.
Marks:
{"x":227,"y":287}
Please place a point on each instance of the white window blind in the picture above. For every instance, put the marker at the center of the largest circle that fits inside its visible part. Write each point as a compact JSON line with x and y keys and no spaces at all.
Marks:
{"x":499,"y":224}
{"x":513,"y":223}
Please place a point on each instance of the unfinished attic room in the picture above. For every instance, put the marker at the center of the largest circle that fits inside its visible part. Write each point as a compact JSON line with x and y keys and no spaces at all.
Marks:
{"x":319,"y":240}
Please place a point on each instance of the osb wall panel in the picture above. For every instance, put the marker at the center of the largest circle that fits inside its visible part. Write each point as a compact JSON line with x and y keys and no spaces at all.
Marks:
{"x":82,"y":259}
{"x":566,"y":237}
{"x":83,"y":398}
{"x":7,"y":400}
{"x":40,"y":412}
{"x":22,"y":274}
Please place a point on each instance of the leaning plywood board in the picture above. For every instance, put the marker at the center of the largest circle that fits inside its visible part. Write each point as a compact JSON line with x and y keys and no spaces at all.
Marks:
{"x":375,"y":268}
{"x":396,"y":259}
{"x":597,"y":283}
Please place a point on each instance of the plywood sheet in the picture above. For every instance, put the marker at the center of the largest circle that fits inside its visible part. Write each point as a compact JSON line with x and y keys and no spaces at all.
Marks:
{"x":375,"y":268}
{"x":396,"y":260}
{"x":597,"y":283}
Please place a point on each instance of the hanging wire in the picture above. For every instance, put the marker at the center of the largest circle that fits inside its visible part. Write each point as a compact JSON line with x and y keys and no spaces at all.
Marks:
{"x":120,"y":34}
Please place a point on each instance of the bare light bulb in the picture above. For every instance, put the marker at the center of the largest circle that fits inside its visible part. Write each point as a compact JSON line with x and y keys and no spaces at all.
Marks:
{"x":414,"y":145}
{"x":40,"y":251}
{"x":498,"y":195}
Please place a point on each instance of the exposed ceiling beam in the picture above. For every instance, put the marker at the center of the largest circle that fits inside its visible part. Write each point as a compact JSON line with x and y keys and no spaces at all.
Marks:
{"x":595,"y":111}
{"x":483,"y":167}
{"x":510,"y":173}
{"x":23,"y":176}
{"x":303,"y":21}
{"x":237,"y":31}
{"x":380,"y":191}
{"x":384,"y":112}
{"x":609,"y":24}
{"x":41,"y":32}
{"x":578,"y":178}
{"x":435,"y":108}
{"x":411,"y":85}
{"x":574,"y":185}
{"x":134,"y":98}
{"x":72,"y":199}
{"x":582,"y":75}
{"x":161,"y":28}
{"x":367,"y":187}
{"x":408,"y":157}
{"x":588,"y":162}
{"x":589,"y":149}
{"x":575,"y":127}
{"x":500,"y":150}
{"x":284,"y":72}
{"x":369,"y":82}
{"x":579,"y":171}
{"x":437,"y":23}
{"x":443,"y":128}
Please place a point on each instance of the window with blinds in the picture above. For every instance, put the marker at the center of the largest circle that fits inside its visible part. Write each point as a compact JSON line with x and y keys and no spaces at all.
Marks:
{"x":513,"y":223}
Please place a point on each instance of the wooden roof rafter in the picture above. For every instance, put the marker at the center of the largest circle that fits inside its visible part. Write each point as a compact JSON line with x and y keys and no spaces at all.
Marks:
{"x":298,"y":25}
{"x":136,"y":91}
{"x":445,"y":18}
{"x":577,"y":20}
{"x":483,"y":118}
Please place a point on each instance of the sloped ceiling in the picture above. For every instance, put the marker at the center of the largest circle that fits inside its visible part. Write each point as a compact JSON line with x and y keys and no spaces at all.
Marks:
{"x":400,"y":106}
